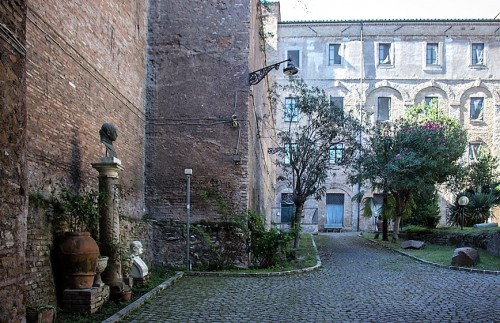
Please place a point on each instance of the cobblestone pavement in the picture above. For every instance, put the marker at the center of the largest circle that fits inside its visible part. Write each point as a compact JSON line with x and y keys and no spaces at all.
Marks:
{"x":359,"y":282}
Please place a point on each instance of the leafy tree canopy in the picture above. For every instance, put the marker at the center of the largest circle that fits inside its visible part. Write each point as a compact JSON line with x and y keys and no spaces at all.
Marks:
{"x":423,"y":148}
{"x":306,"y":146}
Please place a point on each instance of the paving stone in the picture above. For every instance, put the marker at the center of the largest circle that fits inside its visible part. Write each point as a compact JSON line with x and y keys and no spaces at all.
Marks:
{"x":359,"y":282}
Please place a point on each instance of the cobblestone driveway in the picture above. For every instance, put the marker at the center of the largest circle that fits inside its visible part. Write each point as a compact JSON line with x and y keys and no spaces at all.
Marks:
{"x":359,"y":282}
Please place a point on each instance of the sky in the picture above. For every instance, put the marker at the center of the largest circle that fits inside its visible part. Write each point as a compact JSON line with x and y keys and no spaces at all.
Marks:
{"x":388,"y":9}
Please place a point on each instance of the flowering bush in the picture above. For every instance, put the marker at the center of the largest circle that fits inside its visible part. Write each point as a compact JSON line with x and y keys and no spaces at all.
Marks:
{"x":422,"y":149}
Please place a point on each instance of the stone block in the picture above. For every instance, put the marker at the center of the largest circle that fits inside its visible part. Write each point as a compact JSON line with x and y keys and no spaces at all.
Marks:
{"x":412,"y":244}
{"x":486,"y":225}
{"x":493,"y":244}
{"x":88,"y":300}
{"x":465,"y":256}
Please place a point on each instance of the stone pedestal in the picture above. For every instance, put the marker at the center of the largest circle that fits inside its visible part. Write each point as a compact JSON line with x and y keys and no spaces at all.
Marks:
{"x":88,"y":300}
{"x":141,"y":281}
{"x":139,"y":269}
{"x":109,"y":223}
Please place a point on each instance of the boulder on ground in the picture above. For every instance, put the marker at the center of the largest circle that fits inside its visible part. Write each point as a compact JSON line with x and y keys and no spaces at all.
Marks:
{"x":465,"y":256}
{"x":412,"y":244}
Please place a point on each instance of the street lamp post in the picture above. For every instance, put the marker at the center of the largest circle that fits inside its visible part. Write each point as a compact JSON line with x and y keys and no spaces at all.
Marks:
{"x":188,"y":172}
{"x":463,"y":201}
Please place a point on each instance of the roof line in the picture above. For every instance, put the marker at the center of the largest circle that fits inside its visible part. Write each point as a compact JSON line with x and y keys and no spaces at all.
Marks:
{"x":290,"y":22}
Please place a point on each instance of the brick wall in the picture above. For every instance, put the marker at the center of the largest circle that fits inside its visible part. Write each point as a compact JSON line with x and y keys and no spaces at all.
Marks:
{"x":199,"y":56}
{"x":13,"y":179}
{"x":197,"y":65}
{"x":41,"y":253}
{"x":85,"y":66}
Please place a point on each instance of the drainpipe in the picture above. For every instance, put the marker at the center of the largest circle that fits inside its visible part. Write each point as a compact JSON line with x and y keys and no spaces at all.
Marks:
{"x":361,"y":77}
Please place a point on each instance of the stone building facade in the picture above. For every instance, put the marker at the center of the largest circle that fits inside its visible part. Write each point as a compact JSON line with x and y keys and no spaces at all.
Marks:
{"x":172,"y":77}
{"x":383,"y":67}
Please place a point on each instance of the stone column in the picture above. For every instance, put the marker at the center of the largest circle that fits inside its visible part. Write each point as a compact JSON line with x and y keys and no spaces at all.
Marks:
{"x":109,"y":222}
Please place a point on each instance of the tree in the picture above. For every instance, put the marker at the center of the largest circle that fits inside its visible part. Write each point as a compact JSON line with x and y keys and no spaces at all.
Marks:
{"x":421,"y":149}
{"x":482,"y":174}
{"x":309,"y":148}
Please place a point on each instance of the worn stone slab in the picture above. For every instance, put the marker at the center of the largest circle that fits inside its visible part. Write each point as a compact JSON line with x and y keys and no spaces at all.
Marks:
{"x":486,"y":225}
{"x":412,"y":244}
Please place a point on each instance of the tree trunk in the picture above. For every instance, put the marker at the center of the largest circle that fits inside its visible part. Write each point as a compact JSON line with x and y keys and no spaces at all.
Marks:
{"x":296,"y":224}
{"x":395,"y":231}
{"x":402,"y":199}
{"x":385,"y":229}
{"x":385,"y":221}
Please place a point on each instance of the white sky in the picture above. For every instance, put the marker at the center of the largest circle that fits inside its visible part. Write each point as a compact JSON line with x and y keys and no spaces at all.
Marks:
{"x":388,"y":9}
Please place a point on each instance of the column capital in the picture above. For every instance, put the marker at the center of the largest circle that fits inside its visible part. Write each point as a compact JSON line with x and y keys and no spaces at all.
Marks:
{"x":108,"y":167}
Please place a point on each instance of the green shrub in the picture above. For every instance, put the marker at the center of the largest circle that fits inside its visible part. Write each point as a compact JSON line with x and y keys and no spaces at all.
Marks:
{"x":415,"y":229}
{"x":476,"y":211}
{"x":426,"y":211}
{"x":266,"y":246}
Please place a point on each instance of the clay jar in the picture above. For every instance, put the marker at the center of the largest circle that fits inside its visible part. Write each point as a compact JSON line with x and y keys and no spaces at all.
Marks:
{"x":78,"y":255}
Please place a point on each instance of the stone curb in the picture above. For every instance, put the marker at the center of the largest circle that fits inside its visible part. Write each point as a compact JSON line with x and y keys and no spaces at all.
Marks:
{"x":472,"y":270}
{"x":118,"y":316}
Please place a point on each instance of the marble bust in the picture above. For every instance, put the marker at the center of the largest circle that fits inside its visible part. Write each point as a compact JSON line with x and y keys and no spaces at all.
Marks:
{"x":139,"y":269}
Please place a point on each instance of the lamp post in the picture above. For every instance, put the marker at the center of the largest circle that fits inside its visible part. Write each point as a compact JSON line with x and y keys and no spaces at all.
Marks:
{"x":257,"y":76}
{"x":188,"y":172}
{"x":463,"y":201}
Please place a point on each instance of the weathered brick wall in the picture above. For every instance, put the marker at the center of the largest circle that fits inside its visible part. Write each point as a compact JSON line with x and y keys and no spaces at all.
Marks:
{"x":41,"y":256}
{"x":199,"y":56}
{"x":13,"y":178}
{"x":85,"y":66}
{"x":197,"y":67}
{"x":213,"y":245}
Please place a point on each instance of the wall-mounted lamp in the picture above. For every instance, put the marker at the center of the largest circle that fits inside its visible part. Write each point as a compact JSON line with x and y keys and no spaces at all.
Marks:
{"x":257,"y":76}
{"x":236,"y":159}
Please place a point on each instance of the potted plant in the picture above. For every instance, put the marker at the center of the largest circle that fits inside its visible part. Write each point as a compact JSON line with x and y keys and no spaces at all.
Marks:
{"x":126,"y":294}
{"x":79,"y":251}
